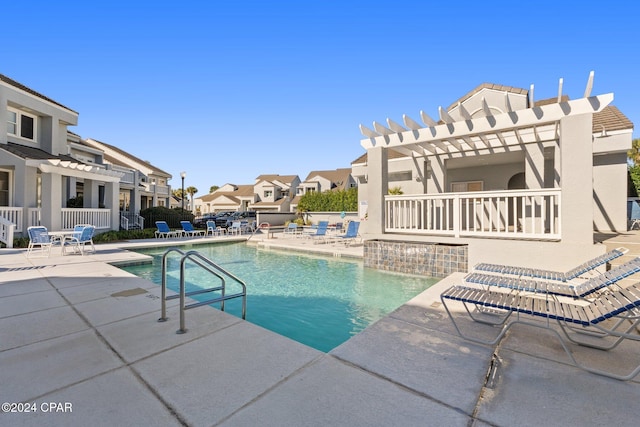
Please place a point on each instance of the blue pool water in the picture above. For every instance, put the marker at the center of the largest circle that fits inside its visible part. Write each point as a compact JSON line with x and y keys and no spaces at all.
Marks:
{"x":318,"y":301}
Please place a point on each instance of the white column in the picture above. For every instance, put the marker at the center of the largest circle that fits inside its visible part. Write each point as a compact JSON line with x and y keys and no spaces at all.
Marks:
{"x":576,"y":179}
{"x":51,"y":201}
{"x":112,"y":202}
{"x":378,"y":183}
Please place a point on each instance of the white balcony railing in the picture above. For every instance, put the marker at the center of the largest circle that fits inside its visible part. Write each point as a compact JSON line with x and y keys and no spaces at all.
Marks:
{"x":100,"y":218}
{"x":521,"y":214}
{"x":14,"y":216}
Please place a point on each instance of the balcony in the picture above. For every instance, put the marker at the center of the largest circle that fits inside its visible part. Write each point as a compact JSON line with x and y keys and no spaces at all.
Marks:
{"x":521,"y":214}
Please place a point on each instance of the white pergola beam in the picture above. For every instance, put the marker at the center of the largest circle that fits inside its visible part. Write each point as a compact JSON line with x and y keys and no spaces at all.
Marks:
{"x":381,"y":129}
{"x":395,"y":126}
{"x":410,"y":123}
{"x":444,"y":116}
{"x":520,"y":119}
{"x":587,"y":90}
{"x":463,"y":111}
{"x":427,"y":119}
{"x":368,"y":132}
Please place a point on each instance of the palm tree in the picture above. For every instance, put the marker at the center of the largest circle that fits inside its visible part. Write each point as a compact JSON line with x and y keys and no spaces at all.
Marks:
{"x":191,"y":191}
{"x":213,"y":188}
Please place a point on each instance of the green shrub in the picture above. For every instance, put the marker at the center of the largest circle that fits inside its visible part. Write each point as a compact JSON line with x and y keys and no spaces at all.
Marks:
{"x":171,"y":216}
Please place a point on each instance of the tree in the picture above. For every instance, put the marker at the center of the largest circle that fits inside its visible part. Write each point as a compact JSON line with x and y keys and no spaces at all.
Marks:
{"x":213,"y":188}
{"x":177,"y":193}
{"x":191,"y":191}
{"x":634,"y":154}
{"x":633,"y":157}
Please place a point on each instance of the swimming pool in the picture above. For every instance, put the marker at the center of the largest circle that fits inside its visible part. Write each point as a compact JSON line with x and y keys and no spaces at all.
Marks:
{"x":318,"y":301}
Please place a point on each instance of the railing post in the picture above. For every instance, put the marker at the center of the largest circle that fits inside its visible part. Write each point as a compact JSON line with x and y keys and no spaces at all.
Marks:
{"x":456,"y":215}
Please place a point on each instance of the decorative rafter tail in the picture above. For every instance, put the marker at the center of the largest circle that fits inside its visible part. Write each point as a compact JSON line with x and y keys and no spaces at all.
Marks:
{"x":463,"y":111}
{"x":560,"y":83}
{"x":485,"y":108}
{"x":531,"y":99}
{"x":410,"y":123}
{"x":444,"y":116}
{"x":368,"y":132}
{"x":587,"y":90}
{"x":396,"y":127}
{"x":427,"y":120}
{"x":381,"y":129}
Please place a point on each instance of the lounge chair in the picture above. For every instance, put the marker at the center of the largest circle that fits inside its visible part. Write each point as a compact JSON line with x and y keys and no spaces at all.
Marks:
{"x":82,"y":237}
{"x":39,"y":238}
{"x":164,"y":231}
{"x":291,"y":230}
{"x":214,"y":229}
{"x":621,"y":306}
{"x":320,"y":232}
{"x":578,"y":271}
{"x":577,"y":288}
{"x":189,"y":231}
{"x":235,"y":228}
{"x":351,"y":234}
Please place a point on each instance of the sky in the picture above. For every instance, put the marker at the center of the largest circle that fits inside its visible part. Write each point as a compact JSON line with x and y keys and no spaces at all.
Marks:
{"x":229,"y":90}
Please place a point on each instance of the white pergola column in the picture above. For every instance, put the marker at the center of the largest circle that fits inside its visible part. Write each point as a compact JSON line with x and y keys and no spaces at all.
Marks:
{"x":576,"y":179}
{"x":377,"y":169}
{"x":51,"y":201}
{"x":112,"y":202}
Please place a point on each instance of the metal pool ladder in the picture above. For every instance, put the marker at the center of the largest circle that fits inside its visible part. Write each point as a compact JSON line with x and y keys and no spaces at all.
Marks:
{"x":208,"y":265}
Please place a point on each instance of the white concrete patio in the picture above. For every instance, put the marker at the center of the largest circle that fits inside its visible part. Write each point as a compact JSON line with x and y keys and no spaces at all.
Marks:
{"x":76,"y":330}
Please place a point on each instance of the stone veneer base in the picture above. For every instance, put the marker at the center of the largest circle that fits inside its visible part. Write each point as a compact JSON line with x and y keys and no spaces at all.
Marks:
{"x":427,"y":259}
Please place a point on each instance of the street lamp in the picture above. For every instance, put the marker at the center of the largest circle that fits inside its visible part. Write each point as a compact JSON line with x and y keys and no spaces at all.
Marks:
{"x":182,"y":175}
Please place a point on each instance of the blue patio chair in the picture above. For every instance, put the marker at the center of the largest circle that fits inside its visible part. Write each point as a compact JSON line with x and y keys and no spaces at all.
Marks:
{"x":320,"y":232}
{"x":39,"y":238}
{"x":291,"y":230}
{"x":214,"y":229}
{"x":351,"y":234}
{"x":82,"y":237}
{"x":164,"y":231}
{"x":189,"y":231}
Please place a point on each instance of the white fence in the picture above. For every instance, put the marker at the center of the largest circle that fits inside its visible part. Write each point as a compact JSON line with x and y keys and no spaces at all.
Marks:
{"x":100,"y":218}
{"x":522,"y":214}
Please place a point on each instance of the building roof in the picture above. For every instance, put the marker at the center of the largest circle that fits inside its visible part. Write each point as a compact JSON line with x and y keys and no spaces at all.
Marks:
{"x":337,"y":177}
{"x":111,"y":159}
{"x":24,"y":88}
{"x":26,"y":152}
{"x":494,"y":86}
{"x":391,"y":154}
{"x":609,"y":119}
{"x":286,"y":179}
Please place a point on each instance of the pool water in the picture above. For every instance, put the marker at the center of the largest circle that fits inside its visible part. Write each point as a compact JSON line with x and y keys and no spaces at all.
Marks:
{"x":318,"y":301}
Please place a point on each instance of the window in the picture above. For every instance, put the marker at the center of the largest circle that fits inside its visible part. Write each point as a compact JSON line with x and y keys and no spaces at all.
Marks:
{"x":21,"y":124}
{"x":268,"y":193}
{"x":4,"y":188}
{"x":463,"y":187}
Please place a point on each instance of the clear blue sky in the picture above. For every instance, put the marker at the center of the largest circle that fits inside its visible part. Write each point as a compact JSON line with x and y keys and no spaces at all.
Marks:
{"x":230,"y":90}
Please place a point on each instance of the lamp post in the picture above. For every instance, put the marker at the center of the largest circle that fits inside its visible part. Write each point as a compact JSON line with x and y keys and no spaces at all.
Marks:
{"x":182,"y":175}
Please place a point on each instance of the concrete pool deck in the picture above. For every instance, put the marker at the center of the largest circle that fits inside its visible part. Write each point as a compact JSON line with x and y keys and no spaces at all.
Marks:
{"x":78,"y":333}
